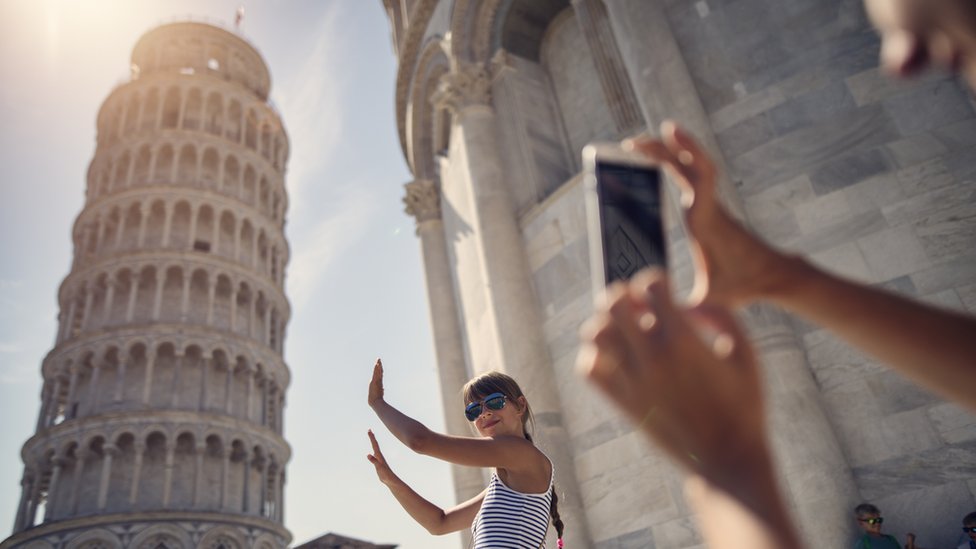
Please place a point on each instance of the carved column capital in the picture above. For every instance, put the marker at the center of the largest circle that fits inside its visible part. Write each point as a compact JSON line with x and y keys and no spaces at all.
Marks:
{"x":501,"y":61}
{"x":468,"y":85}
{"x":423,"y":200}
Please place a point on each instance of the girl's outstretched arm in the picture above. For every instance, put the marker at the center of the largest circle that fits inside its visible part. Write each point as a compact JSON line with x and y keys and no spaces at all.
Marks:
{"x":436,"y":520}
{"x":507,"y":452}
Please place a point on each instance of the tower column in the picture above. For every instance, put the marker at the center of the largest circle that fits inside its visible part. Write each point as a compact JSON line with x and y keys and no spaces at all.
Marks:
{"x":58,"y":464}
{"x":26,"y":484}
{"x":150,"y":371}
{"x":168,"y":473}
{"x":34,"y":500}
{"x":72,"y":387}
{"x":93,"y":390}
{"x":201,"y":450}
{"x":228,"y":385}
{"x":110,"y":452}
{"x":52,"y":410}
{"x":143,"y":222}
{"x":81,"y":456}
{"x":249,"y":395}
{"x":130,"y":308}
{"x":246,"y":494}
{"x":225,"y":478}
{"x":177,"y":381}
{"x":158,"y":297}
{"x":204,"y":384}
{"x":109,"y":300}
{"x":86,"y":312}
{"x":120,"y":379}
{"x":45,"y":404}
{"x":140,"y":452}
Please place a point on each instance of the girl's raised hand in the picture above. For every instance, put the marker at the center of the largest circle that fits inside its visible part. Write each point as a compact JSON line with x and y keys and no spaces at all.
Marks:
{"x":376,"y":385}
{"x":383,"y":470}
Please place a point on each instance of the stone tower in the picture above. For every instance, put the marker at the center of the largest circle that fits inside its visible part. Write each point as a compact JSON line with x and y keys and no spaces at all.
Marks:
{"x":161,"y":412}
{"x":820,"y":154}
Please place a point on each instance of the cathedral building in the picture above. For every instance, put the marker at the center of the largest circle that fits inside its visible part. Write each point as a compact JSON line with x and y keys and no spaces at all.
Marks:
{"x":819,"y":153}
{"x":160,"y":422}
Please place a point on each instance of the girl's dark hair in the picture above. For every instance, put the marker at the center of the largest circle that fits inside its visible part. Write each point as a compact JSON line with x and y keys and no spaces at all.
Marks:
{"x":497,"y":382}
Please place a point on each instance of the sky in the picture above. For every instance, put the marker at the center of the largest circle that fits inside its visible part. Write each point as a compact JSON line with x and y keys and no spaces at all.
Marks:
{"x":355,"y":278}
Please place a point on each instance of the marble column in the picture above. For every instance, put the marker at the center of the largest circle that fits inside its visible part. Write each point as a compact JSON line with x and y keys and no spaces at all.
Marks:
{"x":72,"y":388}
{"x":246,"y":495}
{"x":168,"y":473}
{"x":81,"y":456}
{"x":204,"y":383}
{"x":423,"y":201}
{"x":110,"y":452}
{"x":53,"y":403}
{"x":140,"y":451}
{"x":147,"y":382}
{"x":512,"y":308}
{"x":109,"y":300}
{"x":158,"y":298}
{"x":177,"y":381}
{"x":227,"y":454}
{"x":46,"y":393}
{"x":130,"y":307}
{"x":34,"y":500}
{"x":228,"y":388}
{"x":201,"y":451}
{"x":120,"y":380}
{"x":86,"y":311}
{"x":26,"y":484}
{"x":248,"y":396}
{"x":93,"y":389}
{"x":52,"y":487}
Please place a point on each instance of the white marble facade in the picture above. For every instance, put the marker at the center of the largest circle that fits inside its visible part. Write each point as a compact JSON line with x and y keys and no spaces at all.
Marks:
{"x":161,"y":413}
{"x":820,"y":154}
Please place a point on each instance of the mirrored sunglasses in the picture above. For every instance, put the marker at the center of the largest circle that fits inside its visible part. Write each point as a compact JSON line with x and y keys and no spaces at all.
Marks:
{"x":494,"y":401}
{"x":873,"y":521}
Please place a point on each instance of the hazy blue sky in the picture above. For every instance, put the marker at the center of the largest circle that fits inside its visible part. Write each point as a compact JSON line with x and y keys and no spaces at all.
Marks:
{"x":355,"y":280}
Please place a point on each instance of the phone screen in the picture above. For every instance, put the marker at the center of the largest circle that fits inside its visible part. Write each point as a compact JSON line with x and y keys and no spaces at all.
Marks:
{"x":630,"y":218}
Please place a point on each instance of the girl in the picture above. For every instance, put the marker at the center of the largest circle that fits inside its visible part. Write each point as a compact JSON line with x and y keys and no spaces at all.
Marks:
{"x":514,"y":510}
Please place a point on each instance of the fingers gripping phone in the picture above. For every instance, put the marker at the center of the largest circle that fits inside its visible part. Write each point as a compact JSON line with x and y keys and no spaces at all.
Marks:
{"x":624,"y":209}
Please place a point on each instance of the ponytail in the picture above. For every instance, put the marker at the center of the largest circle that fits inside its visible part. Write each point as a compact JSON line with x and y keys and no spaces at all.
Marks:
{"x":557,"y":522}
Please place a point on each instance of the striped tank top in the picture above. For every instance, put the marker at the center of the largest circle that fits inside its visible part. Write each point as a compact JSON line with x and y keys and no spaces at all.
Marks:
{"x":509,"y":519}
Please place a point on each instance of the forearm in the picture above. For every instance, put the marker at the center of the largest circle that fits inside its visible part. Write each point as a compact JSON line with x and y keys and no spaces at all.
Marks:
{"x":407,"y":430}
{"x":428,"y":515}
{"x":934,"y":347}
{"x":744,"y":511}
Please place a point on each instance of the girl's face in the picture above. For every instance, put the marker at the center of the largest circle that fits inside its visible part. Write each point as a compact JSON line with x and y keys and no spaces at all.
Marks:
{"x":505,"y":421}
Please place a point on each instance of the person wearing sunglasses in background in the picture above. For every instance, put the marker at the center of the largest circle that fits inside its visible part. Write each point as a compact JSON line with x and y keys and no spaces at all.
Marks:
{"x":870,"y":520}
{"x":969,"y":532}
{"x":520,"y":502}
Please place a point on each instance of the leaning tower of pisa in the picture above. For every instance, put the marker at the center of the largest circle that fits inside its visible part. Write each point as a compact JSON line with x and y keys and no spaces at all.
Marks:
{"x":160,"y":424}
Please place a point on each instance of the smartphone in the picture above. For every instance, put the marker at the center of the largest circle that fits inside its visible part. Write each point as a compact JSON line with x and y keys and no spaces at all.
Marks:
{"x":624,"y":208}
